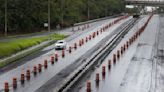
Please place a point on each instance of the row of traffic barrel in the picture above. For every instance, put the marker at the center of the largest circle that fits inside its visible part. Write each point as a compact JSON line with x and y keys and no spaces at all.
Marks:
{"x":82,"y":41}
{"x":81,"y":28}
{"x":54,"y":58}
{"x":116,"y":56}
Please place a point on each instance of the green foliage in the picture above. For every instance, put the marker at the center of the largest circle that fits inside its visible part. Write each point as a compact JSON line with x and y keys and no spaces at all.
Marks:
{"x":30,"y":15}
{"x":8,"y":48}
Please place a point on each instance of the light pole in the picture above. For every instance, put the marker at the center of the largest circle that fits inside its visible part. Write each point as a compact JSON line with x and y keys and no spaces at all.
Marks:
{"x":5,"y":17}
{"x":88,"y":11}
{"x":49,"y":16}
{"x":62,"y":10}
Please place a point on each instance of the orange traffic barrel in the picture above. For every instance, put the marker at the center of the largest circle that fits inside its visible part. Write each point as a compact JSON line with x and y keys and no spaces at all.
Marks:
{"x":97,"y":77}
{"x":70,"y":49}
{"x":22,"y":78}
{"x":97,"y":32}
{"x":127,"y":44}
{"x":129,"y":41}
{"x":86,"y":39}
{"x":122,"y":50}
{"x":118,"y":54}
{"x":114,"y":58}
{"x":103,"y":70}
{"x":6,"y":87}
{"x":28,"y":74}
{"x":45,"y":64}
{"x":75,"y":46}
{"x":88,"y":86}
{"x":124,"y":47}
{"x":80,"y":43}
{"x":63,"y":53}
{"x":35,"y":70}
{"x":52,"y":59}
{"x":109,"y":64}
{"x":93,"y":35}
{"x":90,"y":37}
{"x":56,"y":57}
{"x":14,"y":83}
{"x":101,"y":30}
{"x":40,"y":67}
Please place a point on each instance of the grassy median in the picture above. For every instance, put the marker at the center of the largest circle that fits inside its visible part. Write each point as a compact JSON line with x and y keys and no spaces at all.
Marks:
{"x":14,"y":46}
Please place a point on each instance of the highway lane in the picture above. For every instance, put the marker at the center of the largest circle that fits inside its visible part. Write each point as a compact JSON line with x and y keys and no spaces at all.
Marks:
{"x":138,"y":77}
{"x":56,"y":81}
{"x":158,"y":65}
{"x":66,"y":31}
{"x":114,"y":80}
{"x":73,"y":35}
{"x":53,"y":70}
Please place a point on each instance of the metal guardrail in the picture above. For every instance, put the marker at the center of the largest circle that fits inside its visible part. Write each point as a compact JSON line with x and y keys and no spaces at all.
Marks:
{"x":94,"y":20}
{"x":75,"y":76}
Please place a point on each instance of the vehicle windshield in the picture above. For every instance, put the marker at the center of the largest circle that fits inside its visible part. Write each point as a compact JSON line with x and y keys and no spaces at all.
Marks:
{"x":60,"y":42}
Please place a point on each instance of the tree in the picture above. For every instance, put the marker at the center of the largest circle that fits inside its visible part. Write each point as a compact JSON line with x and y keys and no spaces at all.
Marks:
{"x":30,"y":15}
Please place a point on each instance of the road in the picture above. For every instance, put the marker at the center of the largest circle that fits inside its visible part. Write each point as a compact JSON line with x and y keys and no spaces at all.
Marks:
{"x":66,"y":31}
{"x":72,"y":59}
{"x":140,"y":69}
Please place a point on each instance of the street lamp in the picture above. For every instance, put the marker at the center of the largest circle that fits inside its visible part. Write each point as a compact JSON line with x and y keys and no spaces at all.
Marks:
{"x":5,"y":17}
{"x":49,"y":17}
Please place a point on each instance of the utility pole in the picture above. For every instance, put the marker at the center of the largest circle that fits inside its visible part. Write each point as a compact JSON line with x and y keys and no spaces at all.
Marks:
{"x":88,"y":10}
{"x":5,"y":18}
{"x":49,"y":16}
{"x":62,"y":13}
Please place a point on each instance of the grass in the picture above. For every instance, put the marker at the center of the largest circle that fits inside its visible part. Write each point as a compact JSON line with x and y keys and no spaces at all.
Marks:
{"x":14,"y":46}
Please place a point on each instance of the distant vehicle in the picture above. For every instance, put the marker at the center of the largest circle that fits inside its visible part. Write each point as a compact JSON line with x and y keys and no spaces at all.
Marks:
{"x":136,"y":15}
{"x":61,"y":44}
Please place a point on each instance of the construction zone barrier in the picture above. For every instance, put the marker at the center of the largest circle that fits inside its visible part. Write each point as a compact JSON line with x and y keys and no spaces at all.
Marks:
{"x":52,"y":60}
{"x":22,"y":78}
{"x":70,"y":49}
{"x":119,"y":52}
{"x":88,"y":86}
{"x":14,"y":83}
{"x":36,"y":69}
{"x":45,"y":64}
{"x":109,"y":64}
{"x":40,"y":68}
{"x":6,"y":87}
{"x":63,"y":53}
{"x":103,"y":70}
{"x":28,"y":74}
{"x":97,"y":79}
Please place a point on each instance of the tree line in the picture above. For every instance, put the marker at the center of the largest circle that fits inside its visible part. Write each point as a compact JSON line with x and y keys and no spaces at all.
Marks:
{"x":30,"y":15}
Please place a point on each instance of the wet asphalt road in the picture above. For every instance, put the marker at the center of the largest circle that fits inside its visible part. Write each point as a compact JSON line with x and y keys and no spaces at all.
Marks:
{"x":115,"y":76}
{"x":140,"y":69}
{"x":38,"y":57}
{"x":55,"y":81}
{"x":158,"y":64}
{"x":74,"y":35}
{"x":66,"y":31}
